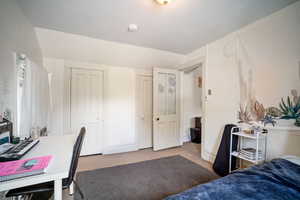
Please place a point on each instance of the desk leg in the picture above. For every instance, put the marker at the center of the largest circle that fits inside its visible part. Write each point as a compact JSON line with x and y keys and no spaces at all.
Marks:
{"x":58,"y":189}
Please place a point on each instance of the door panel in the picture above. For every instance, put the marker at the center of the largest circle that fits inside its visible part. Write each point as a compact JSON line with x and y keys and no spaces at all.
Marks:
{"x":144,"y":111}
{"x":165,"y":108}
{"x":86,"y":108}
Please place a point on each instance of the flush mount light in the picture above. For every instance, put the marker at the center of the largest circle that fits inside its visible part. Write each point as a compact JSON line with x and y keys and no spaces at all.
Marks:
{"x":163,"y":2}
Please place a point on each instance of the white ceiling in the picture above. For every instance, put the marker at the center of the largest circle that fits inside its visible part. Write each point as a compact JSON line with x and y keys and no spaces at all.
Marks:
{"x":180,"y":27}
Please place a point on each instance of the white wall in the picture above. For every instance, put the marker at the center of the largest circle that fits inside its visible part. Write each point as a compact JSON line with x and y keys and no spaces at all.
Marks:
{"x":56,"y":114}
{"x":191,"y":101}
{"x":119,"y":109}
{"x":271,"y":48}
{"x":119,"y":103}
{"x":121,"y":62}
{"x":16,"y":35}
{"x":68,"y":46}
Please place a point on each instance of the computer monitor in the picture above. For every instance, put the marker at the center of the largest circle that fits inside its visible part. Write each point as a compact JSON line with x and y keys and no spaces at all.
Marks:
{"x":6,"y":132}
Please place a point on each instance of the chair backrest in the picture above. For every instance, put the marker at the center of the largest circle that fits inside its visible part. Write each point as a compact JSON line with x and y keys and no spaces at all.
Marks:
{"x":75,"y":156}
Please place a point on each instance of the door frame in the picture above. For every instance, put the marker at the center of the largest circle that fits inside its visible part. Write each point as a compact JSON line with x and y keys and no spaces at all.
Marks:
{"x":137,"y":75}
{"x":200,"y":60}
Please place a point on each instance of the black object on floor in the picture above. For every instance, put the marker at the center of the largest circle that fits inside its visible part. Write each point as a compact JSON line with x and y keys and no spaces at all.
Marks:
{"x":221,"y":164}
{"x":147,"y":180}
{"x":196,"y":135}
{"x":196,"y":132}
{"x":198,"y":122}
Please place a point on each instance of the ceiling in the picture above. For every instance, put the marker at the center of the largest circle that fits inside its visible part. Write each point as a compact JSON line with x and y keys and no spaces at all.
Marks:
{"x":179,"y":27}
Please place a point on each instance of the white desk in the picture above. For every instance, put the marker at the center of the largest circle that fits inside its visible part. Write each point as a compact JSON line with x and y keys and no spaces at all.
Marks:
{"x":61,"y":148}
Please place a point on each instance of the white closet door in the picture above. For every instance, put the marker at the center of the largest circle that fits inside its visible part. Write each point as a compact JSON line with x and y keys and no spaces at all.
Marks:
{"x":86,"y":108}
{"x":165,"y":108}
{"x":144,"y":111}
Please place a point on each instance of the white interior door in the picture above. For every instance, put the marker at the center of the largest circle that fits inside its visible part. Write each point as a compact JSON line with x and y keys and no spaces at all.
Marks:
{"x":86,"y":108}
{"x":165,"y":109}
{"x":144,"y":111}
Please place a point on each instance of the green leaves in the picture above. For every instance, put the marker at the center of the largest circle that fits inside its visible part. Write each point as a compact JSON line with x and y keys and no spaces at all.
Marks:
{"x":289,"y":109}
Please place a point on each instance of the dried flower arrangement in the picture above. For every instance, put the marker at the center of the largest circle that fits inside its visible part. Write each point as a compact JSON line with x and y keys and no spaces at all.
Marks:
{"x":256,"y":113}
{"x":244,"y":115}
{"x":289,"y":109}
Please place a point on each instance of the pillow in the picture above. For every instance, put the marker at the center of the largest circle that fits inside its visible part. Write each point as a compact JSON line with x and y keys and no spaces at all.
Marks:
{"x":293,"y":159}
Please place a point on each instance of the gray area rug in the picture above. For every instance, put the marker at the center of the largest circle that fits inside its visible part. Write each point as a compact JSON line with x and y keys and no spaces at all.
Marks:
{"x":147,"y":180}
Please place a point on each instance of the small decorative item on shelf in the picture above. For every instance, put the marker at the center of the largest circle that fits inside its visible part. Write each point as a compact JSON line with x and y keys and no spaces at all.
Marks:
{"x":252,"y":129}
{"x":259,"y":129}
{"x":35,"y":132}
{"x":258,"y":111}
{"x":269,"y":120}
{"x":261,"y":114}
{"x":273,"y":112}
{"x":248,"y":131}
{"x":244,"y":115}
{"x":291,"y":108}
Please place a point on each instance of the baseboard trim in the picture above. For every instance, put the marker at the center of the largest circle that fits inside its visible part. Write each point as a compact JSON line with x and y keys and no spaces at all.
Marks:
{"x":208,"y":156}
{"x":120,"y":149}
{"x":186,"y":138}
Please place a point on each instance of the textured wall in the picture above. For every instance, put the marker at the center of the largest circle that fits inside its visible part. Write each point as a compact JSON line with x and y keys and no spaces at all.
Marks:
{"x":16,"y":35}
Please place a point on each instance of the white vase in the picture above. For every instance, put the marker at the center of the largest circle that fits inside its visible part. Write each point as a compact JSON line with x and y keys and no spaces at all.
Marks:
{"x":286,"y":122}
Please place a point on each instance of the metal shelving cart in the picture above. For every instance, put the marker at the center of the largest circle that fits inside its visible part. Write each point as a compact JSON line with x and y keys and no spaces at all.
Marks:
{"x":260,"y":145}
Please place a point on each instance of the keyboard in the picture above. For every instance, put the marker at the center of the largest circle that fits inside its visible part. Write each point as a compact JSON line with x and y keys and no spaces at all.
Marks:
{"x":5,"y":147}
{"x":19,"y":150}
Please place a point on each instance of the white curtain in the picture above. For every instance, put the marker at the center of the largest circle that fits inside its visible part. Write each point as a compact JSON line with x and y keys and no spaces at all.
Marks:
{"x":35,"y":99}
{"x":24,"y":112}
{"x":40,"y":98}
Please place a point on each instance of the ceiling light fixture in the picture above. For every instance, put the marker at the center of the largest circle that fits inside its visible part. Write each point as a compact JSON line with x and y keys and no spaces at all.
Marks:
{"x":133,"y":28}
{"x":163,"y":2}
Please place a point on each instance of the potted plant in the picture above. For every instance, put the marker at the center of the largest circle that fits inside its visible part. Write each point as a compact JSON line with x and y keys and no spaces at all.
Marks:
{"x":291,"y":108}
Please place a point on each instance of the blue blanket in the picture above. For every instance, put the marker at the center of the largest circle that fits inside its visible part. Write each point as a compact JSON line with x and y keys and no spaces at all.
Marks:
{"x":278,"y":180}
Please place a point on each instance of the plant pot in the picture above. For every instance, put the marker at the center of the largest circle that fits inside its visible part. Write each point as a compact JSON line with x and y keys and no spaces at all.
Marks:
{"x":286,"y":122}
{"x":297,"y":123}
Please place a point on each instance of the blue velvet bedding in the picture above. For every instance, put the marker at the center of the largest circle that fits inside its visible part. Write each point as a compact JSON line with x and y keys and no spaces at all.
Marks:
{"x":278,"y":179}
